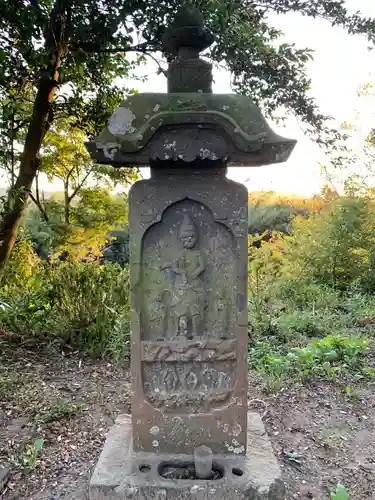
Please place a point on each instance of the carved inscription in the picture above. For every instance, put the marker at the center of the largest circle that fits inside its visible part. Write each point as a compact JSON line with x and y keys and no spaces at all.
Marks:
{"x":198,"y":386}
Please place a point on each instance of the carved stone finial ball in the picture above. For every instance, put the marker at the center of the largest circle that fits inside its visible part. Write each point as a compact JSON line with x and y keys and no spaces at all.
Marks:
{"x":188,"y":15}
{"x":187,"y":31}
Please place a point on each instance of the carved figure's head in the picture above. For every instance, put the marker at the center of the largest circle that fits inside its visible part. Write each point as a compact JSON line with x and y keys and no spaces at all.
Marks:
{"x":188,"y":233}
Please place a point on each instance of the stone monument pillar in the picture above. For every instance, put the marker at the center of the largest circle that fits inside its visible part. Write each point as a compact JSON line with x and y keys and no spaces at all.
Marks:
{"x":189,"y":431}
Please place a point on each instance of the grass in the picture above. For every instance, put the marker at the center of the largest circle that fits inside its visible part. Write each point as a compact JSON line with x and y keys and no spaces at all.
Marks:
{"x":60,"y":410}
{"x":304,"y":337}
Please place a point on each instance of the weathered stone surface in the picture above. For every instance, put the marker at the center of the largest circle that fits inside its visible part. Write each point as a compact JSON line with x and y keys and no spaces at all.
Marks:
{"x":149,"y":127}
{"x":4,"y":478}
{"x":188,"y":247}
{"x":122,"y":473}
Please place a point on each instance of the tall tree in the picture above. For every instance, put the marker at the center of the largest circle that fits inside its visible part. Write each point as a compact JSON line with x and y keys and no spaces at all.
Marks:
{"x":49,"y":43}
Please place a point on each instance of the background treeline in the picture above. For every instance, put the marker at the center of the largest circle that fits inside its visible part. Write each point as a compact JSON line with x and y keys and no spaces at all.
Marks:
{"x":311,"y":281}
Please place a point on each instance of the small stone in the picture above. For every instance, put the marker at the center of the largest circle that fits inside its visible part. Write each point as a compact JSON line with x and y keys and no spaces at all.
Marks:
{"x":4,"y":478}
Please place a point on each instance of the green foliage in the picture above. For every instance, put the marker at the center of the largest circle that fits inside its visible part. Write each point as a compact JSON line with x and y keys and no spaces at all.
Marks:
{"x":273,"y":218}
{"x":339,"y":493}
{"x":92,"y":217}
{"x":334,"y":248}
{"x":269,"y":211}
{"x":88,"y":300}
{"x":117,"y":347}
{"x":330,"y":356}
{"x":304,"y":294}
{"x":117,"y":247}
{"x":76,"y":304}
{"x":28,"y":454}
{"x":23,"y":264}
{"x":61,"y":410}
{"x":64,"y":157}
{"x":264,"y":272}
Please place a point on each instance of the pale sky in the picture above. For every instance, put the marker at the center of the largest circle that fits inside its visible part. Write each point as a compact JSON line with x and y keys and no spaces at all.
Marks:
{"x":341,"y":65}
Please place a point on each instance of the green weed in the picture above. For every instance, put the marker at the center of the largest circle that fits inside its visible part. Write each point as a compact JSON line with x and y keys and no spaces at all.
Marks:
{"x":59,"y":411}
{"x":76,"y":304}
{"x":352,"y":393}
{"x":28,"y":455}
{"x":340,"y":493}
{"x":330,"y":439}
{"x":326,"y":357}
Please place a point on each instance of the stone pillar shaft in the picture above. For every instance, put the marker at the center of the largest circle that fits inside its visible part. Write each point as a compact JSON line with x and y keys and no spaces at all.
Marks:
{"x":188,"y":240}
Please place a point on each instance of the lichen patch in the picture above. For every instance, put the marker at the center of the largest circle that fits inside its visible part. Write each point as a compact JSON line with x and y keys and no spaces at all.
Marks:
{"x":121,"y":122}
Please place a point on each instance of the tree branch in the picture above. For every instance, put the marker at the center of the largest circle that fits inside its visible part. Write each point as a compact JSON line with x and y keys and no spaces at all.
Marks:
{"x":79,"y":186}
{"x":38,"y":204}
{"x":93,"y":48}
{"x":141,"y":49}
{"x":161,"y":69}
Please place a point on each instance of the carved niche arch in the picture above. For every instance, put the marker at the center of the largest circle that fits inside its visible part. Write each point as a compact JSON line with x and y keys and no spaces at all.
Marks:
{"x":212,"y":294}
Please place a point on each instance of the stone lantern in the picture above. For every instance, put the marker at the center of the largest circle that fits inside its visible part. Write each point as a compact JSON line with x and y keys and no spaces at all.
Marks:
{"x":190,"y":434}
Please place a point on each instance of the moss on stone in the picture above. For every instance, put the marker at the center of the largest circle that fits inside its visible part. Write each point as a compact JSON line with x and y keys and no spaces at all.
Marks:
{"x":236,"y":114}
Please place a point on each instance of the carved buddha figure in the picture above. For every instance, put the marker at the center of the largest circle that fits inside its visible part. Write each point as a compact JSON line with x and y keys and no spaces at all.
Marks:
{"x":187,"y":304}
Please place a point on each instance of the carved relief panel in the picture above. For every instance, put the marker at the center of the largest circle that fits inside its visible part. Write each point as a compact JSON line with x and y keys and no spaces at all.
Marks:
{"x":188,"y":258}
{"x":188,"y":276}
{"x":188,"y":281}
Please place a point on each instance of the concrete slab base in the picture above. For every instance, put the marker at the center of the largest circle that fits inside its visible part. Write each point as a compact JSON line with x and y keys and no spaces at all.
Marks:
{"x":123,"y":474}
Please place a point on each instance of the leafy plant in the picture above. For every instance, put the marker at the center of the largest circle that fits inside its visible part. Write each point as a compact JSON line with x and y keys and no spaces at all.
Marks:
{"x":59,"y":411}
{"x":74,"y":303}
{"x":28,"y":455}
{"x":327,"y":357}
{"x":334,"y":247}
{"x":340,"y":493}
{"x":117,"y":347}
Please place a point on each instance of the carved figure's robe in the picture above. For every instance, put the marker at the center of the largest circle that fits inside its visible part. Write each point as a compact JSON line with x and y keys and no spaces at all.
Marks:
{"x":188,"y":290}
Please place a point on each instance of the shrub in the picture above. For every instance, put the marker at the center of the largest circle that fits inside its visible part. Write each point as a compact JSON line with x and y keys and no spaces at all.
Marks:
{"x":264,"y":272}
{"x":73,"y":303}
{"x":22,"y":264}
{"x":330,"y":356}
{"x":334,"y":247}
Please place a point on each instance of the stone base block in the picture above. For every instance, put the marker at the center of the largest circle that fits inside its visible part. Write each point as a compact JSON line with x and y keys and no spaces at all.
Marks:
{"x":123,"y":474}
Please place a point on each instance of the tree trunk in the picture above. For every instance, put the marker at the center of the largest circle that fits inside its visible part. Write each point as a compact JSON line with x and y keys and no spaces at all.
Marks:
{"x":12,"y":162}
{"x":18,"y":195}
{"x":36,"y":199}
{"x":37,"y":192}
{"x":66,"y":203}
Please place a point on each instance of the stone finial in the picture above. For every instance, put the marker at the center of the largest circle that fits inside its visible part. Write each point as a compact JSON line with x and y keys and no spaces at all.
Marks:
{"x":187,"y":31}
{"x":185,"y":39}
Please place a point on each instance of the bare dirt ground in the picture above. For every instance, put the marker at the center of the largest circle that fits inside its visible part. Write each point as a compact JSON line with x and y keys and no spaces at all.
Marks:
{"x":320,"y":434}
